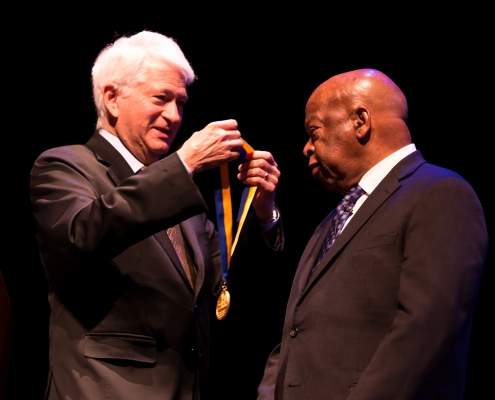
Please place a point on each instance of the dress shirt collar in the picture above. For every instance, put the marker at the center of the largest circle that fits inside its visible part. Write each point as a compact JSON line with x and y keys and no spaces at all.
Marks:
{"x":133,"y":162}
{"x":375,"y":175}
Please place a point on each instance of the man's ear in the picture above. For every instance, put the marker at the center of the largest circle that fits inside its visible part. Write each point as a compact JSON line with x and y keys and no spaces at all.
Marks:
{"x":362,"y":122}
{"x":110,"y":99}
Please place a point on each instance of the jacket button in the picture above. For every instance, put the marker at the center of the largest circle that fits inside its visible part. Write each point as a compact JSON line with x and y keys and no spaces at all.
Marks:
{"x":293,"y":332}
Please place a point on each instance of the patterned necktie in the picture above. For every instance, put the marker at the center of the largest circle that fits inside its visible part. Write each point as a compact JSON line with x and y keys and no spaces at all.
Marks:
{"x":175,"y":236}
{"x":340,"y":215}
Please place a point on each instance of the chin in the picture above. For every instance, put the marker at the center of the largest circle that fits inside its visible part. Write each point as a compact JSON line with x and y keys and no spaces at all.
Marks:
{"x":160,"y":148}
{"x":328,"y":186}
{"x":317,"y":175}
{"x":328,"y":183}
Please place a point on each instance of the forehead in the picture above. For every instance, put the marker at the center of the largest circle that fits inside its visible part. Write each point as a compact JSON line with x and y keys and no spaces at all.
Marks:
{"x":317,"y":106}
{"x":164,"y":76}
{"x":314,"y":102}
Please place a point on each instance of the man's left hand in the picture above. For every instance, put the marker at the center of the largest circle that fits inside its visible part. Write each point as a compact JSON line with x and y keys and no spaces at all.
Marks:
{"x":261,"y":170}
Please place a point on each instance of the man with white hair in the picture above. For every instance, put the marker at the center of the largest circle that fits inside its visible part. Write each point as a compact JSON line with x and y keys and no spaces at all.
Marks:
{"x":130,"y":311}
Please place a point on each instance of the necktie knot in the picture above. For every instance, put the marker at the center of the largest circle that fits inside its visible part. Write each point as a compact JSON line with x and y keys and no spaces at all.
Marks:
{"x":349,"y":200}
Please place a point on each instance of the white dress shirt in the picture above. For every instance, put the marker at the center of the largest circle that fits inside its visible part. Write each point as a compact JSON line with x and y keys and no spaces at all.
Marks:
{"x":375,"y":175}
{"x":133,"y":162}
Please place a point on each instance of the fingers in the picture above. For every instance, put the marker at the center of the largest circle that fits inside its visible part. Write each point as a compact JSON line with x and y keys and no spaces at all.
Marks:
{"x":223,"y":134}
{"x":217,"y":143}
{"x":227,"y":124}
{"x":220,"y":142}
{"x":261,"y":169}
{"x":261,"y":155}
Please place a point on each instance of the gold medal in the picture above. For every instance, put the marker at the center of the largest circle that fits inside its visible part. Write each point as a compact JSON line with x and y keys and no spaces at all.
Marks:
{"x":223,"y":303}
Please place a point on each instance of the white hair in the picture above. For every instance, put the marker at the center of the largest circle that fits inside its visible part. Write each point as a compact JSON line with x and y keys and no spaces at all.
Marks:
{"x":122,"y":64}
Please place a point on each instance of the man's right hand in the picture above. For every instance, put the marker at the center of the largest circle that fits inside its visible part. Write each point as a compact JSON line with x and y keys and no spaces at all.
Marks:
{"x":217,"y":143}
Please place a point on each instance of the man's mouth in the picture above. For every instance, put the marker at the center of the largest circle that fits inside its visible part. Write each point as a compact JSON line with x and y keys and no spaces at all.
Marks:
{"x":165,"y":131}
{"x":313,"y":168}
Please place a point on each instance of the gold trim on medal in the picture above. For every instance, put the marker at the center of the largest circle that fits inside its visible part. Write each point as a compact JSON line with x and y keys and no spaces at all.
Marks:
{"x":223,"y":303}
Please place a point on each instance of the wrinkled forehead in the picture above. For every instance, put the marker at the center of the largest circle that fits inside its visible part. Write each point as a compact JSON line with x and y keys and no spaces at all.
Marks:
{"x":324,"y":96}
{"x":312,"y":106}
{"x":316,"y":108}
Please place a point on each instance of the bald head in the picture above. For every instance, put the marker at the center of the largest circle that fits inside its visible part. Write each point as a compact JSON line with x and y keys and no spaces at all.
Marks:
{"x":354,"y":120}
{"x":368,"y":87}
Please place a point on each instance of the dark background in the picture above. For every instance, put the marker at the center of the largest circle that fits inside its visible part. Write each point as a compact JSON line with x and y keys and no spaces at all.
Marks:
{"x":258,"y":66}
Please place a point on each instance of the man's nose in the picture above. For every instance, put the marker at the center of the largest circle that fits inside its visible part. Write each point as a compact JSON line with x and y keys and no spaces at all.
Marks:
{"x":308,"y":149}
{"x":171,"y":112}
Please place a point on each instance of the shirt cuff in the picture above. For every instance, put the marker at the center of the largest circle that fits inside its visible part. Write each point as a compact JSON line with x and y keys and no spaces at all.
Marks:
{"x":269,"y":225}
{"x":185,"y":166}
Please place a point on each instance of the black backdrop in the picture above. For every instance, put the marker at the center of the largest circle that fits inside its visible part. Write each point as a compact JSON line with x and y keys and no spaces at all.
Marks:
{"x":259,"y":68}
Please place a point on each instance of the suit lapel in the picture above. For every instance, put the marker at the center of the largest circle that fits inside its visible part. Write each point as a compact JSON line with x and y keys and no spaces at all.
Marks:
{"x":383,"y":191}
{"x":312,"y":250}
{"x":118,"y":170}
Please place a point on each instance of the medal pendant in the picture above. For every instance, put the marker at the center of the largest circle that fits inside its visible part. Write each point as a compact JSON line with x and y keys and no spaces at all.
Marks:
{"x":223,"y":303}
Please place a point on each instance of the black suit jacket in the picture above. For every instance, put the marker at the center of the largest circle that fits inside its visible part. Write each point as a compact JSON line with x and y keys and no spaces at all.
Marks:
{"x":125,"y":323}
{"x":388,"y":313}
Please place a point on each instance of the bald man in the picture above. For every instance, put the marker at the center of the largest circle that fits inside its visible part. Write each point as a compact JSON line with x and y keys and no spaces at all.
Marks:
{"x":382,"y":301}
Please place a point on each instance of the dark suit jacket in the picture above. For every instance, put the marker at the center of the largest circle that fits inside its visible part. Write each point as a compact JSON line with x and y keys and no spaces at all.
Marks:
{"x":388,"y":313}
{"x":125,"y":323}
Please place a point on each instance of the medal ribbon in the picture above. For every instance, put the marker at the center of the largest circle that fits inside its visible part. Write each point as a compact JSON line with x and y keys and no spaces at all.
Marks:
{"x":223,"y":206}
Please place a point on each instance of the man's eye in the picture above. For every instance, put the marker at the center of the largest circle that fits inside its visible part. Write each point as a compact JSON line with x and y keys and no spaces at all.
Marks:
{"x":313,"y":134}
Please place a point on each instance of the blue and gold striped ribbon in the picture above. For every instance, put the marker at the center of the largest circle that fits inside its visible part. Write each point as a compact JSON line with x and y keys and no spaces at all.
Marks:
{"x":223,"y":206}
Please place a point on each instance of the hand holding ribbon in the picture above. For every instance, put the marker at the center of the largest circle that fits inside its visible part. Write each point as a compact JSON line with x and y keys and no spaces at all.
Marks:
{"x":217,"y":143}
{"x":261,"y":170}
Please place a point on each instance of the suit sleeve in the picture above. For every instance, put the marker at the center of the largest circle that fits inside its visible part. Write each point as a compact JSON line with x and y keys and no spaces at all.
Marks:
{"x":445,"y":244}
{"x":77,"y":206}
{"x":266,"y":389}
